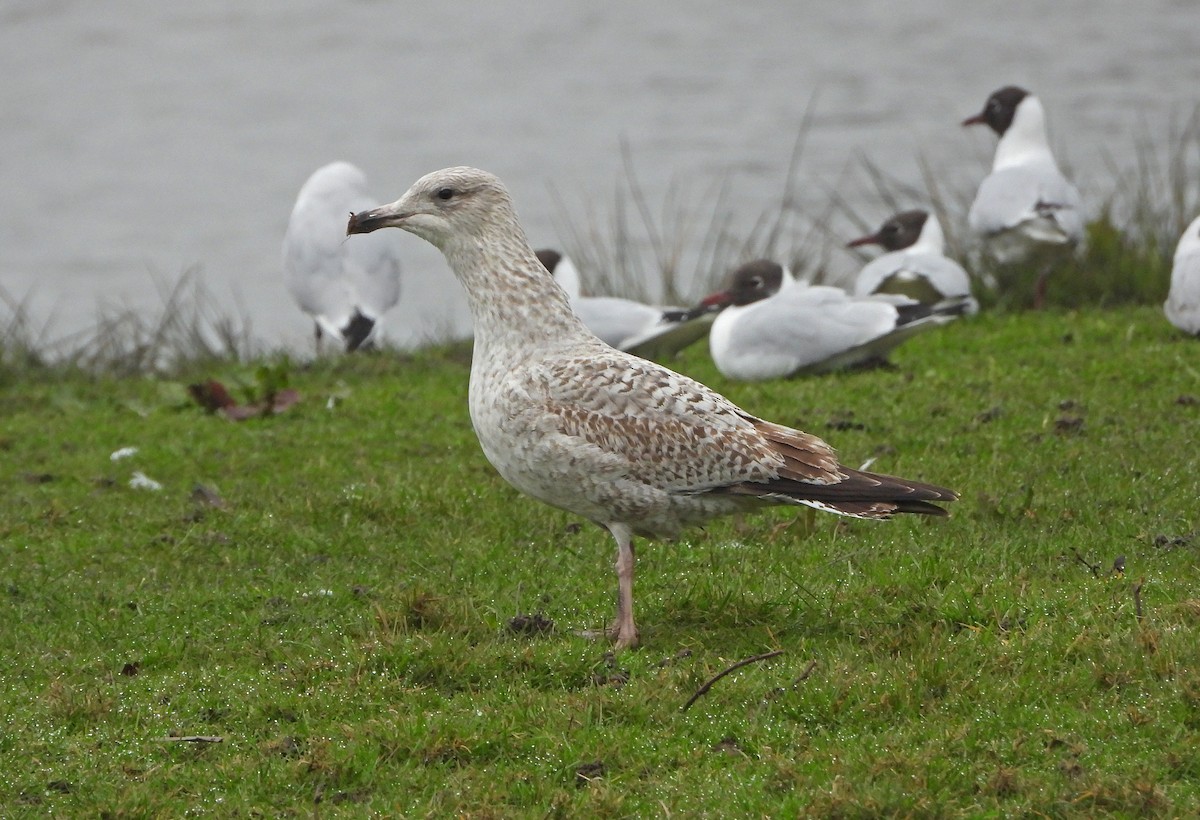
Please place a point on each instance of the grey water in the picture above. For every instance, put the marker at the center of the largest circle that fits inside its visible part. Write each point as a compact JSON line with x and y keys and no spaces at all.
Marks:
{"x":140,"y":138}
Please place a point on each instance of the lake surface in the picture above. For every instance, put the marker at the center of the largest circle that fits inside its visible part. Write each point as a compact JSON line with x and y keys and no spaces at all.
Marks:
{"x":140,"y":138}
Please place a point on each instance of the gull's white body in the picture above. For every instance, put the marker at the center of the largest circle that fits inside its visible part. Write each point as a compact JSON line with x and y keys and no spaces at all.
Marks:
{"x":628,"y":325}
{"x":921,"y":271}
{"x":808,"y":329}
{"x":1183,"y":302}
{"x":1026,"y":204}
{"x":332,"y":279}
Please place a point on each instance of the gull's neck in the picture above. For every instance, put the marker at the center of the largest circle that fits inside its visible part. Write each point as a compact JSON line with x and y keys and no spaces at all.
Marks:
{"x":567,"y":275}
{"x":1025,"y":140}
{"x":515,"y":303}
{"x":931,"y":238}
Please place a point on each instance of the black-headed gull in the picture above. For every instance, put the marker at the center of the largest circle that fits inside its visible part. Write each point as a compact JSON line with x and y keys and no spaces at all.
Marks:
{"x":1025,"y":206}
{"x":573,"y":422}
{"x":649,"y":332}
{"x":1183,"y":302}
{"x":346,"y":287}
{"x":915,"y":263}
{"x":772,"y":326}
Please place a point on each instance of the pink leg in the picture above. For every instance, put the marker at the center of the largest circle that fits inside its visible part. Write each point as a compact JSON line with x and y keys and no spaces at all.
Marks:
{"x":1039,"y":289}
{"x":624,"y":630}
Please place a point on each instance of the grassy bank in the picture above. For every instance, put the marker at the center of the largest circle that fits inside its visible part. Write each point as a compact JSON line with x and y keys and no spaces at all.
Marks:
{"x":330,"y":592}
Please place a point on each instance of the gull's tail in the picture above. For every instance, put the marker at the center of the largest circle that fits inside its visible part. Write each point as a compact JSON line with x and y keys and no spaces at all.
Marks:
{"x":812,"y":476}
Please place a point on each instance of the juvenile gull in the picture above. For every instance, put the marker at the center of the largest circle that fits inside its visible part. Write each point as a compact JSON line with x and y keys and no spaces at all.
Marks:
{"x":1025,"y":209}
{"x":915,"y":263}
{"x":573,"y":422}
{"x":346,"y":287}
{"x":1183,"y":302}
{"x":647,"y":331}
{"x":772,"y":326}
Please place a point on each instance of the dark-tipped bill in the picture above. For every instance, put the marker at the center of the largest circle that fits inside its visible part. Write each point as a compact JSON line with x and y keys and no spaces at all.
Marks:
{"x":372,"y":220}
{"x":975,"y":119}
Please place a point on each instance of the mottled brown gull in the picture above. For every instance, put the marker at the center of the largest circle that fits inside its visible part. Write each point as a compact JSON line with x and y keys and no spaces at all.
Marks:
{"x":624,"y":442}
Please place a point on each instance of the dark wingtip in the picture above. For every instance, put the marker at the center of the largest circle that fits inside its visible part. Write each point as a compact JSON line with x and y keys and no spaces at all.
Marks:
{"x":357,"y":331}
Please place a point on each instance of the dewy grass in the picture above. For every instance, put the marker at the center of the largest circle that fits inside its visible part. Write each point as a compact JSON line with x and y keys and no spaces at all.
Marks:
{"x":328,"y":593}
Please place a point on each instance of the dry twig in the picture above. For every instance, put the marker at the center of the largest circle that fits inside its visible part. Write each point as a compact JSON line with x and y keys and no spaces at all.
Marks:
{"x":709,"y":683}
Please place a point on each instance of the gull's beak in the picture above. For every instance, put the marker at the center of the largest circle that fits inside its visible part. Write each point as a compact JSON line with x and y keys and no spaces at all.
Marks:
{"x":975,"y":119}
{"x":385,"y":216}
{"x":717,"y":300}
{"x":873,"y":239}
{"x":713,"y":303}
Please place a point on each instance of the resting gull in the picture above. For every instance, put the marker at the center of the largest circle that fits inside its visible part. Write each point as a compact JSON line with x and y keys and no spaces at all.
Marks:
{"x":915,"y":263}
{"x":1183,"y":302}
{"x":772,"y":326}
{"x":619,"y":440}
{"x":647,"y":331}
{"x":1025,"y":209}
{"x":346,"y":287}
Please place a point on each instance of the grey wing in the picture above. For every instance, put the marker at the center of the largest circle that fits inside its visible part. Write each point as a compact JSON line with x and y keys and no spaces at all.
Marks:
{"x":943,"y":275}
{"x":668,"y":337}
{"x":876,"y":272}
{"x":1021,"y":195}
{"x":312,"y":264}
{"x":615,"y":320}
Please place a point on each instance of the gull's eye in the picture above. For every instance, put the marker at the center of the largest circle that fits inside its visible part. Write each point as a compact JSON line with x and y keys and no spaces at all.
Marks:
{"x":756,"y":282}
{"x":444,"y":194}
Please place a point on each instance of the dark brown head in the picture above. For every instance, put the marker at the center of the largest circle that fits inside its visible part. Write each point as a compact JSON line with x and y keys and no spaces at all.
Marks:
{"x":999,"y":110}
{"x":898,"y":232}
{"x":750,"y":283}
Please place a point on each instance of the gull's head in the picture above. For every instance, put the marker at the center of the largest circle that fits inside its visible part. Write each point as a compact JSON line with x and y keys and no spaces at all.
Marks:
{"x":898,"y":232}
{"x":750,"y":283}
{"x":454,"y":202}
{"x":1000,"y":109}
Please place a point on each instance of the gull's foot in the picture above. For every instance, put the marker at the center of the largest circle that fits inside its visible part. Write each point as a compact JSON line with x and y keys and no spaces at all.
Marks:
{"x":628,"y":640}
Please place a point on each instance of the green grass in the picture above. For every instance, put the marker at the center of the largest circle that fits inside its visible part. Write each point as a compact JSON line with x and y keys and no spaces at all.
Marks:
{"x":340,"y":619}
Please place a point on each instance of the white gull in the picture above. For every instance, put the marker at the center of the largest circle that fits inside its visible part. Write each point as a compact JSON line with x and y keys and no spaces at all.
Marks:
{"x":1183,"y":302}
{"x":772,"y":326}
{"x":915,"y":263}
{"x":346,"y":287}
{"x":1025,"y":207}
{"x":647,"y":331}
{"x":619,"y":440}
